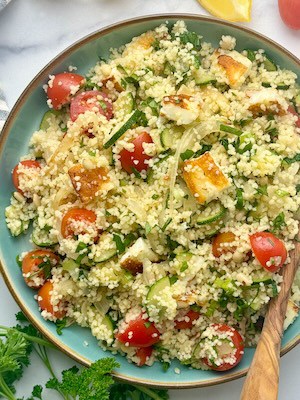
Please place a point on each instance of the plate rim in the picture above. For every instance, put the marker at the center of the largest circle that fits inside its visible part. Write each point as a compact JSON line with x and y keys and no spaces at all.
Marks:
{"x":35,"y":82}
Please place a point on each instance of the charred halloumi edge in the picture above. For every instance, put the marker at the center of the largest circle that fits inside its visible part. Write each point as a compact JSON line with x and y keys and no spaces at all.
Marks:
{"x":204,"y":178}
{"x":181,"y":108}
{"x":236,"y":66}
{"x":266,"y":100}
{"x":139,"y":251}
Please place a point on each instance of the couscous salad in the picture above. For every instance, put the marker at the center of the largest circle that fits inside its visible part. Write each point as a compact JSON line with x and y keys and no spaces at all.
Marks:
{"x":163,"y":191}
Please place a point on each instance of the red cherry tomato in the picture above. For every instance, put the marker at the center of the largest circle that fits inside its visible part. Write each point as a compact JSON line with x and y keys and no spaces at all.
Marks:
{"x":292,"y":110}
{"x":91,"y":101}
{"x":225,"y":350}
{"x":144,"y":353}
{"x":45,"y":301}
{"x":76,"y":214}
{"x":16,"y":174}
{"x":191,"y":316}
{"x":136,"y":158}
{"x":222,"y":244}
{"x":290,"y":12}
{"x":139,"y":333}
{"x":269,"y":250}
{"x":33,"y":272}
{"x":61,"y":88}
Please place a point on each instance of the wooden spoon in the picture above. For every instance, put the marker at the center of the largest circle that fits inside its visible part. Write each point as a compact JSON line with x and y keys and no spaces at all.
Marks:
{"x":263,"y":376}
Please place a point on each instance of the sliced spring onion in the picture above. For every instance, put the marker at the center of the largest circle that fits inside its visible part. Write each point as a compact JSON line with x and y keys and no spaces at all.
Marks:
{"x":239,"y":199}
{"x":230,"y":129}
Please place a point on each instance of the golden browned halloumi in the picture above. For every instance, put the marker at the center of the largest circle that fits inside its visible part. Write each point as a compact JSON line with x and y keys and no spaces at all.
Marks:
{"x":267,"y":101}
{"x":236,"y":66}
{"x":292,"y":312}
{"x":204,"y":178}
{"x":181,"y":108}
{"x":87,"y":182}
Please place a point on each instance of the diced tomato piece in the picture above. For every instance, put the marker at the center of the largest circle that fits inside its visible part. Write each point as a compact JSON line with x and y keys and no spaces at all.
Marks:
{"x":61,"y":87}
{"x":135,"y":160}
{"x":187,"y":320}
{"x":16,"y":174}
{"x":139,"y":332}
{"x":76,"y":214}
{"x":269,"y":250}
{"x":45,"y":301}
{"x":222,"y":244}
{"x":36,"y":265}
{"x":91,"y":100}
{"x":144,"y":353}
{"x":225,"y":350}
{"x":292,"y":110}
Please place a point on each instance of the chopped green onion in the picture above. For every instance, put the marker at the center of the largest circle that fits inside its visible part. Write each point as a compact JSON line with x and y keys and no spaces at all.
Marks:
{"x":81,"y":246}
{"x":186,"y":155}
{"x":168,"y":221}
{"x":136,"y":173}
{"x":224,"y":143}
{"x":155,"y":196}
{"x":281,"y":193}
{"x":184,"y":266}
{"x":119,"y":244}
{"x":230,"y":129}
{"x":239,"y":199}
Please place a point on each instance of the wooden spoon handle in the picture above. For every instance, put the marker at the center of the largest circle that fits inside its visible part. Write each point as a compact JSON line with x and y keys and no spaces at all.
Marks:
{"x":263,"y":375}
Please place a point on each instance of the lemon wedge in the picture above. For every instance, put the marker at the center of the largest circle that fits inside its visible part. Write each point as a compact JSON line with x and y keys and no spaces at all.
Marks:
{"x":231,"y":10}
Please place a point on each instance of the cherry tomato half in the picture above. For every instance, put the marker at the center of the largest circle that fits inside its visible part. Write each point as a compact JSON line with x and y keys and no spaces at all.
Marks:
{"x":76,"y":214}
{"x":135,"y":159}
{"x":290,"y":12}
{"x":61,"y":88}
{"x":269,"y":250}
{"x":292,"y":110}
{"x":222,"y":244}
{"x":187,"y":320}
{"x":91,"y":100}
{"x":144,"y":353}
{"x":225,"y":350}
{"x":16,"y":174}
{"x":45,"y":301}
{"x":139,"y":333}
{"x":36,"y":265}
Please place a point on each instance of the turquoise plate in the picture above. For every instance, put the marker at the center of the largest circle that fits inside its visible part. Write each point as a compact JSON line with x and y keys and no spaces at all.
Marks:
{"x":25,"y":118}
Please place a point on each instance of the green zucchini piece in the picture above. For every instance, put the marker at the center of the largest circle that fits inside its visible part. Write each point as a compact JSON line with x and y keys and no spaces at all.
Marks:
{"x":105,"y":256}
{"x":269,"y":64}
{"x":217,"y":213}
{"x":44,"y":125}
{"x":124,"y":103}
{"x":108,"y":323}
{"x":282,"y":86}
{"x":155,"y":292}
{"x":169,"y":137}
{"x":134,"y":118}
{"x":266,"y":279}
{"x":250,"y":54}
{"x":44,"y":238}
{"x":203,"y":79}
{"x":69,"y":265}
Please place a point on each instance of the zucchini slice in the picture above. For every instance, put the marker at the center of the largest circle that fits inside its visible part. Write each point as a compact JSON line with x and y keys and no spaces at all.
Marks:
{"x":213,"y":212}
{"x":108,"y":323}
{"x":124,"y":103}
{"x":44,"y":125}
{"x":106,"y":255}
{"x":155,"y":292}
{"x":203,"y":79}
{"x":269,"y":64}
{"x":168,"y":138}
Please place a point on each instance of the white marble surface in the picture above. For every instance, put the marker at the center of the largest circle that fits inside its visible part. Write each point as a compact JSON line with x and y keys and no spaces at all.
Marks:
{"x":32,"y":32}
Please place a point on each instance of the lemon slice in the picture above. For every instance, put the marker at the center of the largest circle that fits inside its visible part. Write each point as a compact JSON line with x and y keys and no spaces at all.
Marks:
{"x":231,"y":10}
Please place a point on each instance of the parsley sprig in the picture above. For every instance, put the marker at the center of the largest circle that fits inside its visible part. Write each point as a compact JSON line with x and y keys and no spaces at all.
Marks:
{"x":95,"y":382}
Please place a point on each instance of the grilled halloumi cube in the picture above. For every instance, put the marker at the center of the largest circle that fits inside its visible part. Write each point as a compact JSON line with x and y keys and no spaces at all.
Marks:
{"x":236,"y":66}
{"x":135,"y":256}
{"x":140,"y":43}
{"x":181,"y":108}
{"x":88,"y":183}
{"x":204,"y":178}
{"x":292,"y":312}
{"x":266,"y":101}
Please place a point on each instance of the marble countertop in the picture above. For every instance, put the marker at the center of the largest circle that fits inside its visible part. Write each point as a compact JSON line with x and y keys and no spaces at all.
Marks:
{"x":32,"y":32}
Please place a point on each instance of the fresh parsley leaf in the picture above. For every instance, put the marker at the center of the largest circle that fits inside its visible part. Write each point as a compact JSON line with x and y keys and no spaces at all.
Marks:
{"x":292,"y":160}
{"x":191,"y":37}
{"x":279,"y":223}
{"x":60,"y":325}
